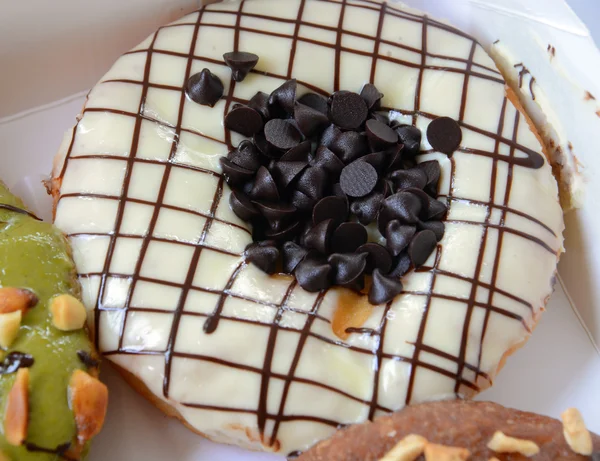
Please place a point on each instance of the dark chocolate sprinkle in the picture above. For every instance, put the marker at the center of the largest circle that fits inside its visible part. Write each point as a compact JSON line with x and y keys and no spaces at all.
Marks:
{"x":241,"y":206}
{"x":310,"y":121}
{"x":348,"y":110}
{"x":367,"y":208}
{"x":347,"y":267}
{"x":87,"y":359}
{"x":281,"y":101}
{"x":398,"y":236}
{"x":377,"y":257}
{"x":413,"y":177}
{"x":312,"y":182}
{"x":444,"y":135}
{"x":402,"y":265}
{"x":204,"y":88}
{"x":313,"y":274}
{"x":383,"y":289}
{"x":437,"y":227}
{"x":332,"y":207}
{"x":319,"y":236}
{"x":329,"y":136}
{"x":349,"y":146}
{"x":316,"y":101}
{"x":260,"y":103}
{"x":410,"y":136}
{"x":235,"y":174}
{"x":244,"y":120}
{"x":421,"y":247}
{"x":371,"y":96}
{"x":264,"y":186}
{"x":348,"y":237}
{"x":380,"y":135}
{"x":15,"y":360}
{"x":358,"y":179}
{"x":245,"y":155}
{"x":326,"y":159}
{"x":297,"y":154}
{"x":292,"y":255}
{"x":263,"y":255}
{"x":281,"y":134}
{"x":240,"y":63}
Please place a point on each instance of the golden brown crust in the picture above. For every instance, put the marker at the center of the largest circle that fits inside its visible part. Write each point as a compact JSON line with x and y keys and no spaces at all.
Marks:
{"x":456,"y":423}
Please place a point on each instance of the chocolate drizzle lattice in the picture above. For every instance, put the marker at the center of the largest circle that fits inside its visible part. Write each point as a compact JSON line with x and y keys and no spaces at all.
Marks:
{"x":391,"y":360}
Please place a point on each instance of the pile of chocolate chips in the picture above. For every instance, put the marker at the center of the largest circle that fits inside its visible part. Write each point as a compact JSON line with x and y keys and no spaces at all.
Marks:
{"x":319,"y":175}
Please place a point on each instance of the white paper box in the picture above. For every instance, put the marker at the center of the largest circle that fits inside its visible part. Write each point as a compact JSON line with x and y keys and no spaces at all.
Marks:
{"x":54,"y":50}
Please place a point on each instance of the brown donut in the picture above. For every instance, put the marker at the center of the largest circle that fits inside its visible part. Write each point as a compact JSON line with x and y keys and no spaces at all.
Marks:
{"x":458,"y":423}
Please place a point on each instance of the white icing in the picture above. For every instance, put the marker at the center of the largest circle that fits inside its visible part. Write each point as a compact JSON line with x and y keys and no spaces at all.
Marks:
{"x":201,"y":373}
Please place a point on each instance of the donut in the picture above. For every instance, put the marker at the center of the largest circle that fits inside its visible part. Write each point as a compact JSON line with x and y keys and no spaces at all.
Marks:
{"x":212,"y":170}
{"x":464,"y":429}
{"x":51,"y":401}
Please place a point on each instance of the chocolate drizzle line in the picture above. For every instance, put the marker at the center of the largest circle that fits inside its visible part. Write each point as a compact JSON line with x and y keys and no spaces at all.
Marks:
{"x":469,"y":69}
{"x":523,"y":71}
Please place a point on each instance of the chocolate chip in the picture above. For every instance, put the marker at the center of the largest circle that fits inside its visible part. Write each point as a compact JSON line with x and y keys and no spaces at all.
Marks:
{"x":432,"y":170}
{"x":347,"y":267}
{"x":377,"y":159}
{"x":398,"y":236}
{"x":395,"y":157}
{"x":444,"y":135}
{"x":86,"y":358}
{"x":15,"y":360}
{"x":349,"y":146}
{"x":436,"y":210}
{"x":297,"y":154}
{"x":412,"y":177}
{"x":367,"y":208}
{"x":264,"y":147}
{"x":326,"y":159}
{"x":281,"y":101}
{"x":334,"y":208}
{"x":329,"y":136}
{"x":263,"y":255}
{"x":410,"y":136}
{"x":240,"y":63}
{"x":348,"y":110}
{"x":402,"y":265}
{"x":316,"y":101}
{"x":312,"y":182}
{"x":234,"y":174}
{"x":421,"y":247}
{"x":264,"y":186}
{"x":371,"y":96}
{"x":358,"y":179}
{"x":310,"y":121}
{"x":313,"y":274}
{"x":377,"y":257}
{"x":319,"y":236}
{"x":275,"y":213}
{"x":437,"y":227}
{"x":241,"y":206}
{"x":380,"y":135}
{"x":244,"y":120}
{"x":404,"y":206}
{"x":245,"y":155}
{"x":348,"y":237}
{"x":423,"y":197}
{"x":204,"y":88}
{"x":386,"y":187}
{"x":292,"y":255}
{"x":302,"y":201}
{"x":260,"y":103}
{"x":285,"y":172}
{"x":383,"y":289}
{"x":380,"y":117}
{"x":283,"y":233}
{"x":281,"y":134}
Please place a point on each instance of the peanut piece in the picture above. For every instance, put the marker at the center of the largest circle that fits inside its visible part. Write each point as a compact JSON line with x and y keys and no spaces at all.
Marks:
{"x":16,"y":299}
{"x":89,"y":399}
{"x":501,"y":443}
{"x":576,"y":434}
{"x":408,"y":449}
{"x":16,"y":416}
{"x":68,"y":313}
{"x":9,"y":327}
{"x":434,"y":452}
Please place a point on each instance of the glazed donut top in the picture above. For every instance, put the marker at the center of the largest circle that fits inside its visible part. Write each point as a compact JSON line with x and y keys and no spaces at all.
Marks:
{"x":160,"y":253}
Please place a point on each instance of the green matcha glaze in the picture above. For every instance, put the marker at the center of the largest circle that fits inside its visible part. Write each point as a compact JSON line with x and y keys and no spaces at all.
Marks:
{"x":35,"y":255}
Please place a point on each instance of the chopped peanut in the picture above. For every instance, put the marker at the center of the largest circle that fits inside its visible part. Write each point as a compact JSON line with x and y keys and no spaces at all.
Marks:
{"x":68,"y":313}
{"x":576,"y":434}
{"x":16,"y":299}
{"x":501,"y":443}
{"x":434,"y":452}
{"x":9,"y":327}
{"x":16,"y":416}
{"x":408,"y":449}
{"x":89,"y":399}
